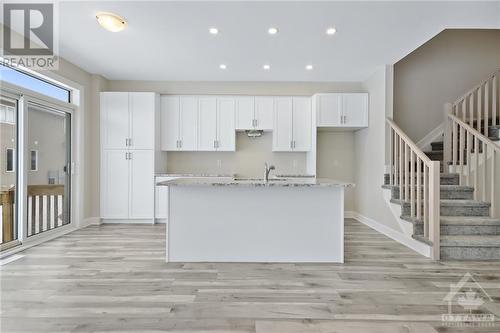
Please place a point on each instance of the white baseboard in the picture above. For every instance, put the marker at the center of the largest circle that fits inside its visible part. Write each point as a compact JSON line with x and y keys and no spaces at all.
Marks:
{"x":432,"y":136}
{"x":91,"y":221}
{"x":128,"y":221}
{"x":399,"y":237}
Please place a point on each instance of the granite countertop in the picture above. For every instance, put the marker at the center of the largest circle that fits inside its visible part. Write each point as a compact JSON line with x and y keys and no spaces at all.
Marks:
{"x":299,"y":182}
{"x":194,"y":175}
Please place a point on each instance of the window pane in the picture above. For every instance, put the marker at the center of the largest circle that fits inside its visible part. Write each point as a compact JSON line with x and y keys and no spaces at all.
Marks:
{"x":48,"y":154}
{"x":21,"y":79}
{"x":8,"y":174}
{"x":10,"y":160}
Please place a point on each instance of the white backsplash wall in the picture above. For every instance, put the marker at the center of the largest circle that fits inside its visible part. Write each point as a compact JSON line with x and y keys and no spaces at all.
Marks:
{"x":247,"y":161}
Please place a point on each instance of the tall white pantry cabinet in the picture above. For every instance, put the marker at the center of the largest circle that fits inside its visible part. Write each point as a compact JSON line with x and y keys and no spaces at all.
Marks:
{"x":128,"y":156}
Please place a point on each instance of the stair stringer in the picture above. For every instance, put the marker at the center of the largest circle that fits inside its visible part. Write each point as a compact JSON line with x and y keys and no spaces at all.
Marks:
{"x":406,"y":227}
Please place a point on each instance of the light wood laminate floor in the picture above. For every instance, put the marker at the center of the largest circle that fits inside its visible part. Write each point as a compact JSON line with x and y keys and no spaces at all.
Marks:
{"x":113,"y":278}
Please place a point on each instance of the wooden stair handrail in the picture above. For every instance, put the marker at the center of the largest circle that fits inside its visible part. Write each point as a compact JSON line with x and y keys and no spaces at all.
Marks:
{"x":475,"y":132}
{"x":409,"y":141}
{"x":477,"y":86}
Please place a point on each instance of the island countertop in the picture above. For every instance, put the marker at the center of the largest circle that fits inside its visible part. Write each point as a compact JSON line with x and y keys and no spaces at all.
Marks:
{"x":273,"y":182}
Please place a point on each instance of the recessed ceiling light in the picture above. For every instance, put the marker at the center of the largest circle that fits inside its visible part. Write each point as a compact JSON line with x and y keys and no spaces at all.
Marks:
{"x":272,"y":31}
{"x":111,"y":22}
{"x":267,"y":67}
{"x":309,"y":67}
{"x":331,"y":31}
{"x":222,"y":66}
{"x":213,"y":31}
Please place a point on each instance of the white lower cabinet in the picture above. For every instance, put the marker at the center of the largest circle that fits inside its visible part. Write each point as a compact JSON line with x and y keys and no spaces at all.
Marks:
{"x":141,"y":191}
{"x":114,"y":184}
{"x":127,"y":184}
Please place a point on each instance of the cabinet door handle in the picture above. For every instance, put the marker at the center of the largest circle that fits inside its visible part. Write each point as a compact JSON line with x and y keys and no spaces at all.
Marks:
{"x":180,"y":143}
{"x":129,"y":156}
{"x":294,"y":144}
{"x":215,"y":143}
{"x":291,"y":144}
{"x":126,"y":142}
{"x":130,"y":142}
{"x":126,"y":156}
{"x":256,"y":122}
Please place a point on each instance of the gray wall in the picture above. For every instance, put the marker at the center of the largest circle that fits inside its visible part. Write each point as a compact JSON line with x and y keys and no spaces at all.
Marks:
{"x":440,"y":71}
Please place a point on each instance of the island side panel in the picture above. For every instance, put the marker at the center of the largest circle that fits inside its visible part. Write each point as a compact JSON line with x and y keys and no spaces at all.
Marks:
{"x":255,"y":224}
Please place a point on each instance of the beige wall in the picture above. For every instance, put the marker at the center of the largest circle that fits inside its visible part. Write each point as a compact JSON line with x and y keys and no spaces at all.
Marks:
{"x":441,"y":71}
{"x":336,"y":160}
{"x":247,"y":161}
{"x":236,"y":88}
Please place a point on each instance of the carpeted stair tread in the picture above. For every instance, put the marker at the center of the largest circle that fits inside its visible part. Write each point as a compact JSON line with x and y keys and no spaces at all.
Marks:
{"x":470,"y":241}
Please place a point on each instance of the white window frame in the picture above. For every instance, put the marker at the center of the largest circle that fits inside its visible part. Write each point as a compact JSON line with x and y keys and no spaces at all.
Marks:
{"x":25,"y":96}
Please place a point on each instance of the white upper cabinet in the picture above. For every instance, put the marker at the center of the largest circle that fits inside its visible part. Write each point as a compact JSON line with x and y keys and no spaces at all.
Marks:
{"x":226,"y":132}
{"x":115,"y":120}
{"x":245,"y":114}
{"x":302,"y":124}
{"x":264,"y":113}
{"x":142,"y":116}
{"x":292,"y":124}
{"x":254,"y":113}
{"x":355,"y":110}
{"x":329,"y":108}
{"x":170,"y":121}
{"x":343,"y":110}
{"x":127,"y":120}
{"x":283,"y":124}
{"x":188,"y":140}
{"x":207,"y":126}
{"x":179,"y":123}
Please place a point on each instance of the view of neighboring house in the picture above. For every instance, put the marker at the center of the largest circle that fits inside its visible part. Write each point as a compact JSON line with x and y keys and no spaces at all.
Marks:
{"x":250,"y":166}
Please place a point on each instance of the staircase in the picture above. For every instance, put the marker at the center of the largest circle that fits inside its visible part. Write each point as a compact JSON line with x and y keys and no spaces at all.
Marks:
{"x":466,"y":228}
{"x":450,"y":195}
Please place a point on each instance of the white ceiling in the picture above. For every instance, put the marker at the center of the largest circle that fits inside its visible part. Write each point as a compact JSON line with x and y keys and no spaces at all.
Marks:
{"x":170,"y":40}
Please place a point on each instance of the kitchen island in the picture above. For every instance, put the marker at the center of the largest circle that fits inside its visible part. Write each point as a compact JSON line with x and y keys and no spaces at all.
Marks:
{"x":282,"y":220}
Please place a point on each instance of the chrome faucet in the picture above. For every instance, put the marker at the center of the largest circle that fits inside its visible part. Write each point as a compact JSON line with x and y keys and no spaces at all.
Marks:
{"x":268,"y":170}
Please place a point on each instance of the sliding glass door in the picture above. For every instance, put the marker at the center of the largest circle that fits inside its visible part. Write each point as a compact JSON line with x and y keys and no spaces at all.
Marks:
{"x":8,"y":171}
{"x":47,"y":155}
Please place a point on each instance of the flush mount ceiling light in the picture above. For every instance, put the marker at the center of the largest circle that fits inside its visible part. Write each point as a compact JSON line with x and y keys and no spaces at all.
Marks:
{"x":213,"y":31}
{"x":111,"y":22}
{"x":331,"y":31}
{"x":272,"y":31}
{"x":309,"y":67}
{"x":222,"y":66}
{"x":266,"y":67}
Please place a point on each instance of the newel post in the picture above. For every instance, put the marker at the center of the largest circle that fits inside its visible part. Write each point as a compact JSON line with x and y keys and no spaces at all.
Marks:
{"x":447,"y":137}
